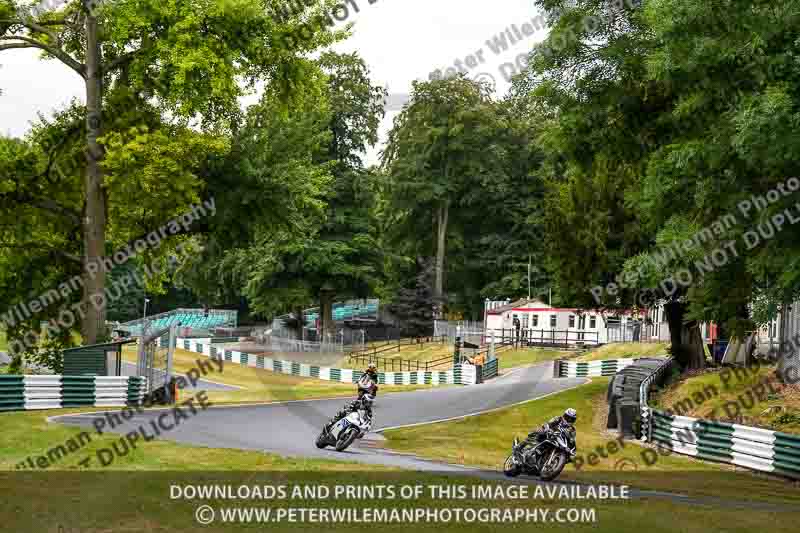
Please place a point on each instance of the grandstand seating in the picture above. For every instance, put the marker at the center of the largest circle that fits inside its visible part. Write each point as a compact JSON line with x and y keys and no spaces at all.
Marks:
{"x":188,"y":318}
{"x":346,"y":312}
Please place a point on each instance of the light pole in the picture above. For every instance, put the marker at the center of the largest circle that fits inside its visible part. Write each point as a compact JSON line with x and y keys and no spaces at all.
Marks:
{"x":144,"y":315}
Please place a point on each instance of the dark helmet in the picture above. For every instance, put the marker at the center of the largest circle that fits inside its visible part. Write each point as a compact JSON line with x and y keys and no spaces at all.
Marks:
{"x":570,"y":415}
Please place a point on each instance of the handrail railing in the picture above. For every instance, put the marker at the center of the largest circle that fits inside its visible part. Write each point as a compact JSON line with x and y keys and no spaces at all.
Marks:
{"x":397,"y":364}
{"x":397,"y":345}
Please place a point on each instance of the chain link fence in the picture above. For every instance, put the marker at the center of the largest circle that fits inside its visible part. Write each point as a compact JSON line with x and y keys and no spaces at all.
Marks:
{"x":156,"y":352}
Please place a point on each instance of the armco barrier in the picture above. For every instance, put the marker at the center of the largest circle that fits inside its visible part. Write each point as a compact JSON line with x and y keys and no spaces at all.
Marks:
{"x":588,"y":369}
{"x":20,"y":393}
{"x":464,"y":374}
{"x":748,"y":447}
{"x":722,"y":442}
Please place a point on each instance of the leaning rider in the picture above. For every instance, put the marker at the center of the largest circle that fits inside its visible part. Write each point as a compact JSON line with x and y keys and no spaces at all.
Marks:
{"x":567,"y":420}
{"x":364,"y":402}
{"x":368,"y":383}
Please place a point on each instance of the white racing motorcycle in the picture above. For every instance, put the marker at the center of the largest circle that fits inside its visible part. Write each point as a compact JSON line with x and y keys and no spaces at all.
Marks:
{"x":344,"y":432}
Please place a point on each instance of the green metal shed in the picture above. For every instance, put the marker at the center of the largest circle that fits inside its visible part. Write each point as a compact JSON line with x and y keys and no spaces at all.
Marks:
{"x":95,"y":359}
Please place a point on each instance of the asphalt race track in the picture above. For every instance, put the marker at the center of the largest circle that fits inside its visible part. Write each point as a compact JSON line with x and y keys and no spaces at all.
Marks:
{"x":290,"y":428}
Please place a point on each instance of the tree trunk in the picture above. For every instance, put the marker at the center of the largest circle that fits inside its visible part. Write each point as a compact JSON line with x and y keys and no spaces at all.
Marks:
{"x":327,"y":329}
{"x":788,"y":356}
{"x":300,"y":323}
{"x":441,"y":242}
{"x":687,"y":342}
{"x":94,"y":221}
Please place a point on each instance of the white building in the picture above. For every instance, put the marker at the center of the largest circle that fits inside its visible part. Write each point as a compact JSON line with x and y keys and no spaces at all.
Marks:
{"x":542,"y":323}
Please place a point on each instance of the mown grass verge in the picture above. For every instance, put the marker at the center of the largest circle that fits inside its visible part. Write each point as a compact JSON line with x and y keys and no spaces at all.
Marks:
{"x":485,"y":441}
{"x":626,"y":350}
{"x":515,"y":358}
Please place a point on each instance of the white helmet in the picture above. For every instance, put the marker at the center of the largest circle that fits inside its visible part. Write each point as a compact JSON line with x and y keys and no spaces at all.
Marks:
{"x":570,"y":415}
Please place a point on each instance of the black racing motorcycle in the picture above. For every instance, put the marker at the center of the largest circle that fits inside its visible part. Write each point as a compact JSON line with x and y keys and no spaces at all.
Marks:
{"x":546,"y":459}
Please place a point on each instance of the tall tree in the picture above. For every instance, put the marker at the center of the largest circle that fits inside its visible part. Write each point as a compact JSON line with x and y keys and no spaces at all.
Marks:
{"x":662,"y":125}
{"x":187,"y":57}
{"x":415,"y":304}
{"x":333,"y":249}
{"x":441,"y":156}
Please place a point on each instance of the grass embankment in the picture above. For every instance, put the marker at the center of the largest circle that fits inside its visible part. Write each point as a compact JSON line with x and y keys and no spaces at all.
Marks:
{"x":626,"y":350}
{"x":736,"y":395}
{"x":514,"y":358}
{"x":89,"y":501}
{"x":262,"y":385}
{"x":511,"y":358}
{"x":430,"y":351}
{"x":485,"y":441}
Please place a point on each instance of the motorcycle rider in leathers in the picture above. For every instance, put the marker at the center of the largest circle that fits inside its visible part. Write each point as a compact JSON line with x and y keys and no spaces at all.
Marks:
{"x":567,"y":420}
{"x":367,"y":391}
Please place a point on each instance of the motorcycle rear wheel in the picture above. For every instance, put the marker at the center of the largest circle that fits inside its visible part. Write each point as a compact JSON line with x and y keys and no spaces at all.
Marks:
{"x":553,"y":466}
{"x":346,"y":439}
{"x":511,"y":468}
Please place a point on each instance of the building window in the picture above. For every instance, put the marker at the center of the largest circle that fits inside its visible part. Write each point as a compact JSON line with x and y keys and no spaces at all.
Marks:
{"x":525,"y":321}
{"x":535,"y":321}
{"x":572,"y":321}
{"x":592,"y":322}
{"x":552,"y":321}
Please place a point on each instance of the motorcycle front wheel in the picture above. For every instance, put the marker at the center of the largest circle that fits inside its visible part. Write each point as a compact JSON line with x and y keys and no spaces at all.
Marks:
{"x":553,"y":465}
{"x":322,"y":441}
{"x":511,"y":468}
{"x":345,"y":439}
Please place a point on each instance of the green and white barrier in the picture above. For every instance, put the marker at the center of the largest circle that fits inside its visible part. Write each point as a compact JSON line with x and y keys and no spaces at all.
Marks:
{"x":754,"y":448}
{"x":24,"y":393}
{"x":589,"y":369}
{"x":460,"y":375}
{"x":749,"y":447}
{"x":490,"y":369}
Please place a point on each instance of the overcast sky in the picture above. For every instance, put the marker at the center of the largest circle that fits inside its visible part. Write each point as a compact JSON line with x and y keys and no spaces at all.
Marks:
{"x":401,"y":40}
